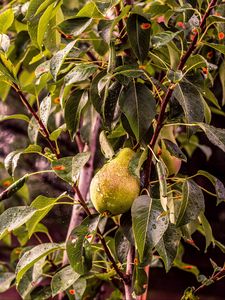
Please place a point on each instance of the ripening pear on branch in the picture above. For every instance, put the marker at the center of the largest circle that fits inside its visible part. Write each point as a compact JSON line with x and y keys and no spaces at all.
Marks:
{"x":114,"y":187}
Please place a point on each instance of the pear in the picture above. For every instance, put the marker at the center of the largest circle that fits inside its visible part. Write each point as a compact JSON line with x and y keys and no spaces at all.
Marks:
{"x":114,"y":188}
{"x":172,"y":163}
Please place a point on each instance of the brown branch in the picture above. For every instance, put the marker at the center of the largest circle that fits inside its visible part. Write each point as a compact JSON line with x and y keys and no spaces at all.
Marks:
{"x":129,"y":271}
{"x":128,"y":2}
{"x":43,"y":129}
{"x":169,"y":93}
{"x":219,"y":275}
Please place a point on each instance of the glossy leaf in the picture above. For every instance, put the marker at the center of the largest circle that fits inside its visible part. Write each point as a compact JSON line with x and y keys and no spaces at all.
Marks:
{"x":6,"y":20}
{"x":45,"y":108}
{"x":58,"y":59}
{"x":138,"y":104}
{"x":215,"y":135}
{"x":78,"y":247}
{"x":163,"y":38}
{"x":191,"y":101}
{"x":161,"y":171}
{"x":192,"y":204}
{"x":106,"y":147}
{"x":79,"y":73}
{"x":68,"y":168}
{"x":63,"y":280}
{"x":148,"y":224}
{"x":218,"y":185}
{"x":30,"y":257}
{"x":75,"y":26}
{"x":73,"y":109}
{"x":14,"y":217}
{"x":168,"y":245}
{"x":5,"y":280}
{"x":43,"y":24}
{"x":15,"y":116}
{"x":174,"y":150}
{"x":138,"y":30}
{"x":207,"y":230}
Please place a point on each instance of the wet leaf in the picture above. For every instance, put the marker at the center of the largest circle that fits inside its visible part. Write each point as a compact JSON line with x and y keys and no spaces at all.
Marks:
{"x":5,"y":281}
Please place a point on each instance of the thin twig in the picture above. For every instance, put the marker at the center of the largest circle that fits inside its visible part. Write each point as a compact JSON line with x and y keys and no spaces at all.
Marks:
{"x":169,"y":93}
{"x":129,"y":271}
{"x":44,"y":131}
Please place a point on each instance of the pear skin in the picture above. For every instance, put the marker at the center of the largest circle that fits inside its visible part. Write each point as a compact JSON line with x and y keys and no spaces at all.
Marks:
{"x":114,"y":188}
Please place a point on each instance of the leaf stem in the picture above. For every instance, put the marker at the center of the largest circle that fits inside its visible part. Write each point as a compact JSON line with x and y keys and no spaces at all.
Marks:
{"x":44,"y":131}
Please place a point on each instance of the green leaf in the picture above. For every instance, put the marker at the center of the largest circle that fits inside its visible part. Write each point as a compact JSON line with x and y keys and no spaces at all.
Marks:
{"x":106,"y":147}
{"x":42,"y":205}
{"x":168,"y":245}
{"x":140,"y":280}
{"x":30,"y":257}
{"x":58,"y":59}
{"x":161,"y":171}
{"x":138,"y":105}
{"x":215,"y":135}
{"x":14,"y":117}
{"x":5,"y":69}
{"x":148,"y":224}
{"x":13,"y":188}
{"x":196,"y":61}
{"x":63,"y":280}
{"x":11,"y":161}
{"x":79,"y":73}
{"x":68,"y":168}
{"x":217,"y":47}
{"x":32,"y":130}
{"x":192,"y":204}
{"x":174,"y":150}
{"x":34,"y":5}
{"x":43,"y":24}
{"x":218,"y":185}
{"x":32,"y":275}
{"x":163,"y":38}
{"x":6,"y":20}
{"x":14,"y":217}
{"x":78,"y":247}
{"x":122,"y":246}
{"x":5,"y":281}
{"x":75,"y":26}
{"x":207,"y":230}
{"x":222,"y":79}
{"x":138,"y":30}
{"x":191,"y":101}
{"x":90,"y":10}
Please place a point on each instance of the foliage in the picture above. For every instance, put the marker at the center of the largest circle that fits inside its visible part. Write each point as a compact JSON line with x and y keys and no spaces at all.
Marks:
{"x":109,"y":75}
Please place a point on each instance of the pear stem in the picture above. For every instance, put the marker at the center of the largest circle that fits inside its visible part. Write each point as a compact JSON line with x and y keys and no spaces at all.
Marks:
{"x":169,"y":94}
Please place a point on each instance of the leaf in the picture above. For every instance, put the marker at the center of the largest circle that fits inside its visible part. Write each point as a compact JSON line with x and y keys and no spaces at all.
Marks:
{"x":11,"y":161}
{"x":30,"y":257}
{"x":140,"y":280}
{"x":191,"y":101}
{"x":5,"y":70}
{"x":217,"y":47}
{"x":192,"y":204}
{"x":163,"y":38}
{"x":78,"y":247}
{"x":222,"y":79}
{"x":72,"y":111}
{"x":218,"y":185}
{"x":43,"y":24}
{"x":42,"y":205}
{"x":138,"y":30}
{"x":63,"y":280}
{"x":75,"y":26}
{"x":122,"y":246}
{"x":106,"y":147}
{"x":215,"y":135}
{"x":207,"y":231}
{"x":6,"y":20}
{"x":33,"y":129}
{"x":90,"y":10}
{"x":80,"y":72}
{"x":174,"y":150}
{"x":5,"y":281}
{"x":58,"y":59}
{"x":29,"y":279}
{"x":168,"y":245}
{"x":33,"y":8}
{"x":13,"y":188}
{"x":45,"y":108}
{"x":161,"y":170}
{"x":196,"y":61}
{"x":14,"y":217}
{"x":68,"y":168}
{"x":15,"y":116}
{"x":138,"y":104}
{"x":148,"y":225}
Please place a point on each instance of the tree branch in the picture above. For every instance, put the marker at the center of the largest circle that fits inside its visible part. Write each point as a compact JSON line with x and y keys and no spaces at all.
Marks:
{"x":43,"y":129}
{"x":129,"y":271}
{"x":169,"y":93}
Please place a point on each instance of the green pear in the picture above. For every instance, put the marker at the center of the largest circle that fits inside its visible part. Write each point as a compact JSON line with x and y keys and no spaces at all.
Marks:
{"x":172,"y":163}
{"x":114,"y":188}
